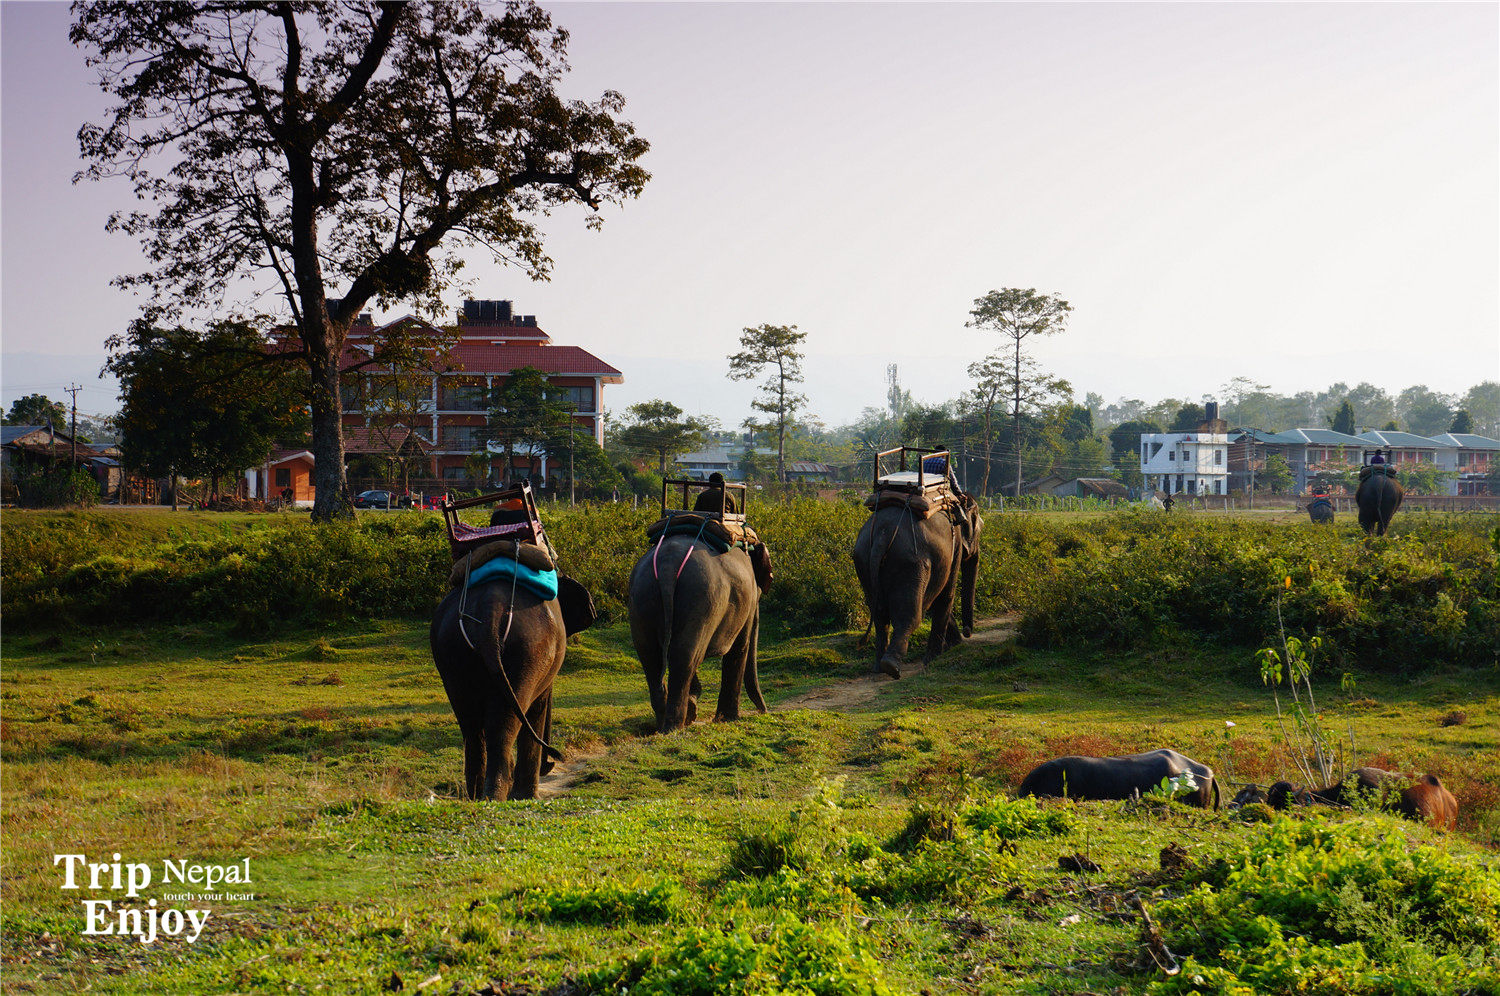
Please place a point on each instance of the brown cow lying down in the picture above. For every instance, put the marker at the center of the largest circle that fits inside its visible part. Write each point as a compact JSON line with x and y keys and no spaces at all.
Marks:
{"x":1119,"y":777}
{"x":1424,"y":799}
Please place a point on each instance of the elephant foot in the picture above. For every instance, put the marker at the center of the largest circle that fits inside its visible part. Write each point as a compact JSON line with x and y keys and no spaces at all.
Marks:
{"x":890,"y":668}
{"x":968,"y":632}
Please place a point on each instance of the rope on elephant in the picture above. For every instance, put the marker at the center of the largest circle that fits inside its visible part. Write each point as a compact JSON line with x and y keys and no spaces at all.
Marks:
{"x":510,"y":615}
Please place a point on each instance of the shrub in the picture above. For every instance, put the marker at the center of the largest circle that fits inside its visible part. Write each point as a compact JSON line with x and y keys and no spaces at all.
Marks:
{"x":604,"y":904}
{"x":1306,"y":906}
{"x":787,"y":957}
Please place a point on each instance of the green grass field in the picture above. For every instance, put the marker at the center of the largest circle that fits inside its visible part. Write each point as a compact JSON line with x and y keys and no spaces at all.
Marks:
{"x":856,"y":839}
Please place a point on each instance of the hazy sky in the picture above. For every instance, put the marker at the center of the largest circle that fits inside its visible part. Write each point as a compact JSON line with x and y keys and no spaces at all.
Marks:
{"x":1297,"y":193}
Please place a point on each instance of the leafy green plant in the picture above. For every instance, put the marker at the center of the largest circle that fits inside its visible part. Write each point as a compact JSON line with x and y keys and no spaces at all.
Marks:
{"x":607,"y":903}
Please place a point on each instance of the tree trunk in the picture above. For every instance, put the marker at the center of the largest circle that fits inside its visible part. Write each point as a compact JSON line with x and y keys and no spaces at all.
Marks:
{"x":330,"y":498}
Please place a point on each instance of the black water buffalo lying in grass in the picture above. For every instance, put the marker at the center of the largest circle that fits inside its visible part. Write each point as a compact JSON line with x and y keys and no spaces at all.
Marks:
{"x":1423,"y":798}
{"x":1120,"y":777}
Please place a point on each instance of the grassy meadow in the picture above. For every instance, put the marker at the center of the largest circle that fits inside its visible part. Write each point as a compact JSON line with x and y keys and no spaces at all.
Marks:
{"x":260,"y":697}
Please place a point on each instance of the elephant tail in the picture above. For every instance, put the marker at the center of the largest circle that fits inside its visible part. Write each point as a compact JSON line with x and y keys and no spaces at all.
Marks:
{"x":490,"y":653}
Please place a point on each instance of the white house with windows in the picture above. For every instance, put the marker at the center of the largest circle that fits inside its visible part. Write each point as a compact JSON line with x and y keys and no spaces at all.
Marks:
{"x":1194,"y":463}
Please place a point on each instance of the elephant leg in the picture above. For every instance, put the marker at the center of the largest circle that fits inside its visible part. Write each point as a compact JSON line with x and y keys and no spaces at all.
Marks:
{"x":529,"y":753}
{"x":683,"y":684}
{"x":906,"y":615}
{"x":500,"y":730}
{"x":649,"y":651}
{"x":473,"y":763}
{"x":943,"y":633}
{"x":735,"y":662}
{"x":882,"y":626}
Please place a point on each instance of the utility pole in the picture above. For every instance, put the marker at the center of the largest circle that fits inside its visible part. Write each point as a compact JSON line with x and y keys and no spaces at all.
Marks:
{"x":73,"y":389}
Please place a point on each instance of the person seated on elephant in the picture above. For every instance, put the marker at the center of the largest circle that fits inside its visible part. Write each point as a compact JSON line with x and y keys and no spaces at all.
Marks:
{"x":508,"y":513}
{"x":942,"y":466}
{"x":714,"y":498}
{"x":1377,"y":458}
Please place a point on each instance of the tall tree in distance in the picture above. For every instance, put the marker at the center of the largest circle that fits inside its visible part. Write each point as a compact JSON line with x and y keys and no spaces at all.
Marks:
{"x":36,"y":409}
{"x":1019,"y":315}
{"x":656,"y":428}
{"x":774,"y":346}
{"x":357,"y":146}
{"x":1343,"y":419}
{"x":1462,"y":422}
{"x":525,"y":416}
{"x":206,"y":402}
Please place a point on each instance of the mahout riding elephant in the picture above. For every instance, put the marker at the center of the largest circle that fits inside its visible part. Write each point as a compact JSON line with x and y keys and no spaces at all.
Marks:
{"x":1378,"y":497}
{"x":1321,"y":511}
{"x":688,"y":602}
{"x":912,"y":567}
{"x":498,"y":647}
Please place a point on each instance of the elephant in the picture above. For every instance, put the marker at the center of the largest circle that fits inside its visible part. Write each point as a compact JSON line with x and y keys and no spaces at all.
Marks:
{"x":1378,"y":497}
{"x":1321,"y":511}
{"x":498,"y":647}
{"x":689,"y":602}
{"x":1080,"y":777}
{"x":911,"y":567}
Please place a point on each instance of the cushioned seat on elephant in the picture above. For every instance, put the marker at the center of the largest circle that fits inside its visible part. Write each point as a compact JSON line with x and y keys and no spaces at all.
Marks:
{"x":528,"y":564}
{"x":1380,"y":468}
{"x":719,"y":535}
{"x":921,"y":506}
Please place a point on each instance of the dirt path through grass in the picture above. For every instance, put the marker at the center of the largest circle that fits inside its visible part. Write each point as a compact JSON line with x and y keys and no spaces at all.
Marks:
{"x":859,"y":691}
{"x":835,"y":697}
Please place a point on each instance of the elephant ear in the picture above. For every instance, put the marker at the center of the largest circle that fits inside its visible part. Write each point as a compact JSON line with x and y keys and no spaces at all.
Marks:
{"x":577,"y":605}
{"x":760,"y":560}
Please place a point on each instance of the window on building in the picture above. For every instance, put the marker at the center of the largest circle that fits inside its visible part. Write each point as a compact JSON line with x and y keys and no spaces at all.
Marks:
{"x":1172,"y":455}
{"x":1218,"y":458}
{"x":283,"y":477}
{"x":460,"y":395}
{"x":581,"y":398}
{"x":468,"y":438}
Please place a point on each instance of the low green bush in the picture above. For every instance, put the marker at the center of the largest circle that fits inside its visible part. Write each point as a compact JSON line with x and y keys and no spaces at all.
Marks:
{"x":1307,"y":906}
{"x":604,"y":904}
{"x":788,"y":957}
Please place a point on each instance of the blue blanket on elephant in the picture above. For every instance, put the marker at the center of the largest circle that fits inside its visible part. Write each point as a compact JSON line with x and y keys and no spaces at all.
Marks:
{"x":542,"y":584}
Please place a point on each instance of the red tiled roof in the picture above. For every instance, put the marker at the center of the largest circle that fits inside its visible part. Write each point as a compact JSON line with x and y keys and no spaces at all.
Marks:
{"x":358,"y":439}
{"x":548,"y":359}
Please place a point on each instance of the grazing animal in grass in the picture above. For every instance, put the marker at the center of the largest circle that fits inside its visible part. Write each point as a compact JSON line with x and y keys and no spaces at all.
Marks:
{"x":1423,"y":799}
{"x":1079,"y":777}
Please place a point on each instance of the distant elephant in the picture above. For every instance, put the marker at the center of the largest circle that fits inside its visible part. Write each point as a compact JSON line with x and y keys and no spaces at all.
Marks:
{"x":1378,"y":497}
{"x":1321,"y":511}
{"x":689,"y":602}
{"x":498,"y":648}
{"x":911,"y":567}
{"x":1077,"y":777}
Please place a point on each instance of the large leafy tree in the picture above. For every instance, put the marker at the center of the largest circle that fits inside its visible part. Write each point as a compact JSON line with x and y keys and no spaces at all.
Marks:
{"x":358,"y":146}
{"x":202,"y":402}
{"x":657,"y":428}
{"x":774,"y":348}
{"x":525,"y":416}
{"x":1019,"y":315}
{"x":36,"y":409}
{"x":1424,"y":411}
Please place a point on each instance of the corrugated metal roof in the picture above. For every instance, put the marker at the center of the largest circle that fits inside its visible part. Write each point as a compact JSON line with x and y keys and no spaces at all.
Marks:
{"x":1320,"y":437}
{"x":1399,"y":439}
{"x":1467,"y":441}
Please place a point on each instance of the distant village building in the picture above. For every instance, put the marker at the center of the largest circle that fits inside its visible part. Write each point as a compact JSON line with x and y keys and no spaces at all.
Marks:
{"x":444,"y":425}
{"x":1194,"y":463}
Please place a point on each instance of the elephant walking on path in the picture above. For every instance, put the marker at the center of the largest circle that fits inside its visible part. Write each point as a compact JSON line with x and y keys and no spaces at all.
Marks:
{"x":912,"y":562}
{"x":690,"y":601}
{"x":499,"y":646}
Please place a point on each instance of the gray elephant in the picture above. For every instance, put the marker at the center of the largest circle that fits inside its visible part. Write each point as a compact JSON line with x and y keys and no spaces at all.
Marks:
{"x":910,"y":567}
{"x":1320,"y":509}
{"x":690,"y":601}
{"x":1378,"y":497}
{"x":498,"y":647}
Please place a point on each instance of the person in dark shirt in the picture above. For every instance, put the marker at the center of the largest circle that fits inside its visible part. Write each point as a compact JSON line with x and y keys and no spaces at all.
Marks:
{"x":710,"y":500}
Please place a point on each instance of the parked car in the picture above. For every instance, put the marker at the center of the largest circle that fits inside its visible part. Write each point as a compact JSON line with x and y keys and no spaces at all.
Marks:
{"x":381,"y":499}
